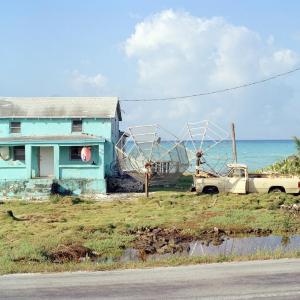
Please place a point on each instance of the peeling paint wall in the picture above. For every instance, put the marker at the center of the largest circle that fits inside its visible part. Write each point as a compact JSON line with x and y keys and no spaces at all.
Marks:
{"x":79,"y":186}
{"x":43,"y":188}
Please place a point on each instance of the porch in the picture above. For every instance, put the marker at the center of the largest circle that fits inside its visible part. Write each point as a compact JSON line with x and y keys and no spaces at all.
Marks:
{"x":56,"y":159}
{"x":63,"y":161}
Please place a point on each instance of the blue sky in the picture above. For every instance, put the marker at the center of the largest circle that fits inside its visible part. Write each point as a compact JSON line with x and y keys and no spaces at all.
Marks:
{"x":135,"y":49}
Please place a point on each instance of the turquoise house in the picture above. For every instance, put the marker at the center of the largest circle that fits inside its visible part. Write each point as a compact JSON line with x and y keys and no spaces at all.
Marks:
{"x":41,"y":140}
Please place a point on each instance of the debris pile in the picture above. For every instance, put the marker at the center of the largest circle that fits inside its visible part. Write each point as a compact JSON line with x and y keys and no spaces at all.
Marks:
{"x":124,"y":184}
{"x":291,"y":208}
{"x":161,"y":241}
{"x":67,"y":253}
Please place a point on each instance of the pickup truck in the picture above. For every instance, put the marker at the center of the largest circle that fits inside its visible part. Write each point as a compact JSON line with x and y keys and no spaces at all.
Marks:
{"x":239,"y":181}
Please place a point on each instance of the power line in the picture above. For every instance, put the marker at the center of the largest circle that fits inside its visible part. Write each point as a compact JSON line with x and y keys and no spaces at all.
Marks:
{"x":216,"y":91}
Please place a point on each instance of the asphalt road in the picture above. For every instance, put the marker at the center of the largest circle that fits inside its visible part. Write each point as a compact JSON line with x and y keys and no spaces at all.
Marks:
{"x":273,"y":279}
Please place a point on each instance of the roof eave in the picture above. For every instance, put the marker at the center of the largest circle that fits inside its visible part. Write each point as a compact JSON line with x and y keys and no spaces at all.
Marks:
{"x":60,"y":142}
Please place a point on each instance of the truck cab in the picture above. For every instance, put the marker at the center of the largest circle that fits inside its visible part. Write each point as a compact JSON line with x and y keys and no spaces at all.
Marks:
{"x":237,"y":178}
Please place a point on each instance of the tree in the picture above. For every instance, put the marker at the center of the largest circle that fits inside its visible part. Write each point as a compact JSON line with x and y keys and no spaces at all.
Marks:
{"x":297,"y":142}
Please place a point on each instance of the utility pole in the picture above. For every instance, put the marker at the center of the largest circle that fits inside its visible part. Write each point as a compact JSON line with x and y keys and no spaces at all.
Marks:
{"x":147,"y":178}
{"x":234,"y":153}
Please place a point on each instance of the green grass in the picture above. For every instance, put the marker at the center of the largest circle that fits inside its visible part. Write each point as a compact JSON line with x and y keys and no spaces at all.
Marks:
{"x":105,"y":226}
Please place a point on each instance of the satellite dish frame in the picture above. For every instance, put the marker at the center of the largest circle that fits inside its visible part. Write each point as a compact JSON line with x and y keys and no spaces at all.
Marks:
{"x":156,"y":140}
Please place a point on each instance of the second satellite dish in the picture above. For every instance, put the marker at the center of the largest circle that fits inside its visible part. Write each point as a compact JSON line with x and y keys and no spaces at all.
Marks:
{"x":4,"y":153}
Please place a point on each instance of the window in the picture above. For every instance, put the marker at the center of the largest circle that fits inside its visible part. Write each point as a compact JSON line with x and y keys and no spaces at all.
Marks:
{"x":15,"y":127}
{"x":77,"y":126}
{"x":19,"y":152}
{"x":240,"y":173}
{"x":75,"y":153}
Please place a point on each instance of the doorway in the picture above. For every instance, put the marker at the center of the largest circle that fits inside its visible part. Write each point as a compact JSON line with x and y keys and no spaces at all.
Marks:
{"x":46,"y":162}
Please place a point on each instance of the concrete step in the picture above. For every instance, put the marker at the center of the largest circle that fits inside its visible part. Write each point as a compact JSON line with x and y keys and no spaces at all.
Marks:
{"x":38,"y":190}
{"x":38,"y":187}
{"x":34,"y":182}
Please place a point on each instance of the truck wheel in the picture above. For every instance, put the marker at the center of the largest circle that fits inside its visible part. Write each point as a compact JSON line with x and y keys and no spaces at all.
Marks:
{"x":210,"y":190}
{"x":277,"y":190}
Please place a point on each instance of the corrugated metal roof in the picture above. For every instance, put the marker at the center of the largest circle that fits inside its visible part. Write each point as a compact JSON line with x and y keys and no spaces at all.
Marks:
{"x":60,"y":107}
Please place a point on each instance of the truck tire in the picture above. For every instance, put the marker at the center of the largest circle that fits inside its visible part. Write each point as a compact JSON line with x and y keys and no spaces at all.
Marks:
{"x":277,"y":189}
{"x":210,"y":189}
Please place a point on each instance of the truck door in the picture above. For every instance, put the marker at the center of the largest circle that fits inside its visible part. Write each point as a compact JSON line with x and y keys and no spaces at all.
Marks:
{"x":236,"y":181}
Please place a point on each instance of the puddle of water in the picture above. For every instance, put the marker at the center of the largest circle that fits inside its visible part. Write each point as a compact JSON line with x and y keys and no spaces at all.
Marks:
{"x":246,"y":245}
{"x":229,"y":246}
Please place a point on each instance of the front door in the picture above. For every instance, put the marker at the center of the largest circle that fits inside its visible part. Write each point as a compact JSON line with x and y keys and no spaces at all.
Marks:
{"x":46,"y":162}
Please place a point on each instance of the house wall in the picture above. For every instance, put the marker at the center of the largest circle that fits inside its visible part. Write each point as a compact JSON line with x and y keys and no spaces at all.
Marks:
{"x":65,"y":159}
{"x":10,"y":169}
{"x":36,"y":127}
{"x":72,"y":169}
{"x":107,"y":128}
{"x":17,"y":177}
{"x":13,"y":172}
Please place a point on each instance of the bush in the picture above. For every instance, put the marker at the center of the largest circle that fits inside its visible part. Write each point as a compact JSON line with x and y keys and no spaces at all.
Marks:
{"x":287,"y":166}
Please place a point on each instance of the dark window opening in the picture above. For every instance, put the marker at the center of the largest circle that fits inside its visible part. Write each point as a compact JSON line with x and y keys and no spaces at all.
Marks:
{"x":19,"y":152}
{"x":75,"y":153}
{"x":15,"y":127}
{"x":77,"y":126}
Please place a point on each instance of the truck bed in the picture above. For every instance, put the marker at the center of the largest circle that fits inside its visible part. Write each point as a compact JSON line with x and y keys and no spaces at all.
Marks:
{"x":268,"y":175}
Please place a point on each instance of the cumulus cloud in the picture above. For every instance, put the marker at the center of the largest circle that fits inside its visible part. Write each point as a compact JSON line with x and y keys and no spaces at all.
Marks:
{"x":177,"y":53}
{"x":81,"y":82}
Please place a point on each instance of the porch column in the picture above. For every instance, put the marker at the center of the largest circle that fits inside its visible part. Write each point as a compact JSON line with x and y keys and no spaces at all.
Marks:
{"x":101,"y":160}
{"x":56,"y":161}
{"x":28,"y":159}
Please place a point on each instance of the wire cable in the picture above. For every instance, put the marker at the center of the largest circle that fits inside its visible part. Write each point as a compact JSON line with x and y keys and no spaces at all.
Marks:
{"x":216,"y":91}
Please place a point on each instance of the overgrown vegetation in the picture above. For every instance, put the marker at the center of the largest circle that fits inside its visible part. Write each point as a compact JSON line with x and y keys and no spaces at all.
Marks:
{"x":107,"y":228}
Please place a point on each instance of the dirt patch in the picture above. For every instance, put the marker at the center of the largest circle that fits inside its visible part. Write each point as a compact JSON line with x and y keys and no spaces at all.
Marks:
{"x":67,"y":253}
{"x":26,"y":259}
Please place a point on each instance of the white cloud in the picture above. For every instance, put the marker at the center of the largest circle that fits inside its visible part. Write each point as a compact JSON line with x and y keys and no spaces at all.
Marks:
{"x":279,"y":61}
{"x":178,"y":53}
{"x":81,"y":82}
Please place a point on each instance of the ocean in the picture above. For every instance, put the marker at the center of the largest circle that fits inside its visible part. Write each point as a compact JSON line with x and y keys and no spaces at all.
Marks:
{"x":262,"y":153}
{"x":256,"y":154}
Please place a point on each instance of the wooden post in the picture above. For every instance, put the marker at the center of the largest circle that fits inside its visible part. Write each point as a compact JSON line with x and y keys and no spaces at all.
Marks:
{"x":147,"y":184}
{"x":233,"y":143}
